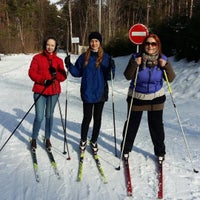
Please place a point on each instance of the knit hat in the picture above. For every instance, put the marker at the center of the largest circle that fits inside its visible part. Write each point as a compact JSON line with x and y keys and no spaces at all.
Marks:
{"x":95,"y":35}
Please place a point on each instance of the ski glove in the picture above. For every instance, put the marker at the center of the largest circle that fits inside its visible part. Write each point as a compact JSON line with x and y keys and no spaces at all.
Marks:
{"x":52,"y":71}
{"x":67,"y":61}
{"x":48,"y":82}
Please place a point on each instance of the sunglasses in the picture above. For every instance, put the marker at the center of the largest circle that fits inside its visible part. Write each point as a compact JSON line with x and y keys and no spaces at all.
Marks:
{"x":153,"y":44}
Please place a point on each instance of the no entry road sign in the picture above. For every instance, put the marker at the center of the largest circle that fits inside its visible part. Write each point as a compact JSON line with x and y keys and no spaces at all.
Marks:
{"x":138,"y":33}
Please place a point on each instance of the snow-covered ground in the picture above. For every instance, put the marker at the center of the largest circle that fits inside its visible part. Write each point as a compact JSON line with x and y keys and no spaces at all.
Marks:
{"x":16,"y":169}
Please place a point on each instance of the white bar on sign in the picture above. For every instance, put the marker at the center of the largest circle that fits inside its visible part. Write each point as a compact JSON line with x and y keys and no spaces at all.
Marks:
{"x":138,"y":33}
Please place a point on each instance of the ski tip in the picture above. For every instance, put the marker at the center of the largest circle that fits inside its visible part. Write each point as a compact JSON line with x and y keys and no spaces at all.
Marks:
{"x":195,"y":171}
{"x":129,"y":194}
{"x":117,"y":168}
{"x":79,"y":179}
{"x":68,"y":158}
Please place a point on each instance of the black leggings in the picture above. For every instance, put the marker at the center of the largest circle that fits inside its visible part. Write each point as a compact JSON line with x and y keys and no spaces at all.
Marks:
{"x":156,"y":129}
{"x":89,"y":110}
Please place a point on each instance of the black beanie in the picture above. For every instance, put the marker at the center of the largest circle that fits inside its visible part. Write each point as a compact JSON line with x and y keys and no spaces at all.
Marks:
{"x":95,"y":35}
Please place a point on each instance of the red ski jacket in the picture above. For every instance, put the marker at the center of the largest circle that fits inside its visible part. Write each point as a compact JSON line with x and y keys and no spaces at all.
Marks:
{"x":39,"y":72}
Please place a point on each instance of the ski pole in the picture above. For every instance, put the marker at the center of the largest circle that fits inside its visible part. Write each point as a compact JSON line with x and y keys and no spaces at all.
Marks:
{"x":128,"y":118}
{"x":66,"y":104}
{"x":179,"y":121}
{"x":63,"y":125}
{"x":64,"y":130}
{"x":23,"y":118}
{"x":65,"y":140}
{"x":113,"y":111}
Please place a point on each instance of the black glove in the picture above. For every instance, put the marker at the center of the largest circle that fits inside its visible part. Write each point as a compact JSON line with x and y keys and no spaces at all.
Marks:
{"x":48,"y":82}
{"x":52,"y":71}
{"x":67,"y":61}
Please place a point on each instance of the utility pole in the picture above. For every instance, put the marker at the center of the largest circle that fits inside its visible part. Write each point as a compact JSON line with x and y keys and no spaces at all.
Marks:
{"x":70,"y":26}
{"x":99,"y":16}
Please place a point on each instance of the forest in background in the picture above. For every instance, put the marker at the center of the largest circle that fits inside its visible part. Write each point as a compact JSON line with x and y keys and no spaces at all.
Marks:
{"x":25,"y":23}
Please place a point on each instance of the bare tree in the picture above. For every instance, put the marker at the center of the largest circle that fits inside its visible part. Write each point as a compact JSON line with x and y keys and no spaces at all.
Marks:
{"x":191,"y":8}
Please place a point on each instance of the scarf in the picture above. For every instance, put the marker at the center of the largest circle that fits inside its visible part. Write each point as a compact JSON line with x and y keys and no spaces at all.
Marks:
{"x":149,"y":60}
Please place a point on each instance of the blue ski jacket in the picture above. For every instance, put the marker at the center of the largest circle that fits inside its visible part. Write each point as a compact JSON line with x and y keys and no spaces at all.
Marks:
{"x":149,"y":79}
{"x":94,"y":86}
{"x":148,"y":93}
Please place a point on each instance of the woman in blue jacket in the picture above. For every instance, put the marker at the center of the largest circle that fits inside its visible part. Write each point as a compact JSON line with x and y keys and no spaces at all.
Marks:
{"x":94,"y":66}
{"x":147,"y":93}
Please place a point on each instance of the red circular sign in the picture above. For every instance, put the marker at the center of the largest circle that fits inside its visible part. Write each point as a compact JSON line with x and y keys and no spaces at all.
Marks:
{"x":138,"y":33}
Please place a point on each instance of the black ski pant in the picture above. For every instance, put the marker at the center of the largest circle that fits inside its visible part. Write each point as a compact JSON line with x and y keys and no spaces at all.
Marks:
{"x":156,"y":129}
{"x":89,"y":110}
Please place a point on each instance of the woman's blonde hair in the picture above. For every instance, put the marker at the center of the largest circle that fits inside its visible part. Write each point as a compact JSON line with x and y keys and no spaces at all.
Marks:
{"x":99,"y":57}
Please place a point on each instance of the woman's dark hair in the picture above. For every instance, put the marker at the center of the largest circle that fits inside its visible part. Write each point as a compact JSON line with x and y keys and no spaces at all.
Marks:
{"x":45,"y":42}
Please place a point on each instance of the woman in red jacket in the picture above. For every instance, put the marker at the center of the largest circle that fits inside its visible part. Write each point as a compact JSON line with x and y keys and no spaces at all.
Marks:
{"x":47,"y":71}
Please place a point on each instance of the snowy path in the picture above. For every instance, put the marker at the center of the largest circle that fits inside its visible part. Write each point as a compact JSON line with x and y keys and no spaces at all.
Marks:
{"x":16,"y":169}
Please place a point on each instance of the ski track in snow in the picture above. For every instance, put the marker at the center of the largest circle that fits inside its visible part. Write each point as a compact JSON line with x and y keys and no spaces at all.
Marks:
{"x":16,"y":168}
